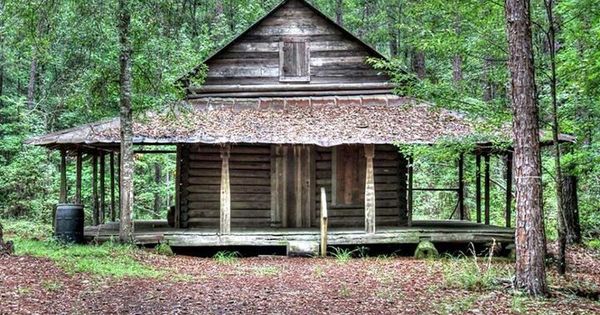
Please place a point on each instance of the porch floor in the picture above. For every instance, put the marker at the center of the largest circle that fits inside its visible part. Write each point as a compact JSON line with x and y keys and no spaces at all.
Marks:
{"x":449,"y":231}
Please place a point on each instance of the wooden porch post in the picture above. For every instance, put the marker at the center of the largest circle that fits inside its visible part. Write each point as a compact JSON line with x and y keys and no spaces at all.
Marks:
{"x":113,"y":211}
{"x":486,"y":188}
{"x":410,"y":189}
{"x":461,"y":187}
{"x":369,"y":190}
{"x":63,"y":176}
{"x":225,"y":207}
{"x":95,"y":210}
{"x":478,"y":185}
{"x":102,"y":188}
{"x":508,"y":187}
{"x":78,"y":177}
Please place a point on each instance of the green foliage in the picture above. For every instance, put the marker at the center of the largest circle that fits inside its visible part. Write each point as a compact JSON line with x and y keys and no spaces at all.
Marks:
{"x":27,"y":229}
{"x":164,"y":249}
{"x":108,"y":259}
{"x":226,"y":257}
{"x":593,"y":244}
{"x":342,"y":255}
{"x":75,"y":49}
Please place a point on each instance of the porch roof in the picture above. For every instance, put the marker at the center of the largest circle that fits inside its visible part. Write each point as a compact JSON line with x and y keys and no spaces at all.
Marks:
{"x":323,"y":121}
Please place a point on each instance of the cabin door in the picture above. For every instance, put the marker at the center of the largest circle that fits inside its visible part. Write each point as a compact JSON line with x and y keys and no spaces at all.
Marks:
{"x":292,"y":186}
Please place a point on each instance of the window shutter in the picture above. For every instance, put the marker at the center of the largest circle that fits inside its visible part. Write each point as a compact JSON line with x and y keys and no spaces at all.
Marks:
{"x":294,"y":61}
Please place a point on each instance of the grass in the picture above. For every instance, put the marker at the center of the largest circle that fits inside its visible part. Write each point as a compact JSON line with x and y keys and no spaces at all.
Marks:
{"x":164,"y":249}
{"x":51,"y":286}
{"x":267,"y":271}
{"x":342,"y":255}
{"x":226,"y":257}
{"x":474,"y":273}
{"x":108,"y":259}
{"x":593,"y":244}
{"x":26,"y":229}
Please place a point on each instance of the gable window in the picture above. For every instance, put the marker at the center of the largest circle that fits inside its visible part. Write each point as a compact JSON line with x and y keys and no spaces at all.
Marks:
{"x":348,"y":175}
{"x":294,"y":61}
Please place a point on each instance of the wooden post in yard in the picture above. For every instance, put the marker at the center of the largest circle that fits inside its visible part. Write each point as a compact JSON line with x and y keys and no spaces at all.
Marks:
{"x":369,"y":190}
{"x":63,"y":176}
{"x":486,"y":188}
{"x":324,"y":222}
{"x":78,"y":171}
{"x":102,"y":188}
{"x":478,"y":186}
{"x":95,"y":210}
{"x":461,"y":187}
{"x":508,"y":187}
{"x":113,"y":211}
{"x":410,"y":189}
{"x":225,"y":205}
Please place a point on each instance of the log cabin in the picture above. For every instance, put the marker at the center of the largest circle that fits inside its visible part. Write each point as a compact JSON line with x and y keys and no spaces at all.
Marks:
{"x":292,"y":129}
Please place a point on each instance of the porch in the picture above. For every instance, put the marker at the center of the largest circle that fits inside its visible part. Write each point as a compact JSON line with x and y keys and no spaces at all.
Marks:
{"x":442,"y":231}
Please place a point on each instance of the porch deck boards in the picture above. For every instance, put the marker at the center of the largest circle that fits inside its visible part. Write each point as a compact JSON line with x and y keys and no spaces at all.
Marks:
{"x":153,"y":232}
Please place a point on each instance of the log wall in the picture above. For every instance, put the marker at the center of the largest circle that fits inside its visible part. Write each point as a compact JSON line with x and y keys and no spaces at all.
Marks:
{"x":250,"y":170}
{"x":258,"y":198}
{"x":390,"y":189}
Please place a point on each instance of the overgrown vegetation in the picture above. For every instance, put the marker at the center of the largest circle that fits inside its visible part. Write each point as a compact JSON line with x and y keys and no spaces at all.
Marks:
{"x":226,"y":257}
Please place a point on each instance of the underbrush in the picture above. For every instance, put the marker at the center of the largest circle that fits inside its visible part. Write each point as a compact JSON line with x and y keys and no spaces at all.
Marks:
{"x":108,"y":259}
{"x":476,"y":273}
{"x":226,"y":257}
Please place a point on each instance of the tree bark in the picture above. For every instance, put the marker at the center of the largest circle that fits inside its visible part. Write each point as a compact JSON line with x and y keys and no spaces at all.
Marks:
{"x":571,"y":209}
{"x":157,"y":181}
{"x":457,"y":75}
{"x":529,"y":232}
{"x":31,"y":85}
{"x":418,"y":64}
{"x":339,"y":12}
{"x":127,"y":161}
{"x":562,"y":233}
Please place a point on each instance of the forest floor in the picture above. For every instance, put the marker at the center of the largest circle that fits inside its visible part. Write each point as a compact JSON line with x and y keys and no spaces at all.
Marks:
{"x":48,"y":278}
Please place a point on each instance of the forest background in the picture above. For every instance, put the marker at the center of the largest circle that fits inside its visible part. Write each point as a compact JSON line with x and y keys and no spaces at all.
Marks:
{"x":59,"y":68}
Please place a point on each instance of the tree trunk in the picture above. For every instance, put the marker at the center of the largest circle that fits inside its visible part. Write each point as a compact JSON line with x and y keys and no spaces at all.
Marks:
{"x":529,"y":232}
{"x":571,"y":209}
{"x":418,"y":63}
{"x":339,"y":12}
{"x":488,"y":86}
{"x":31,"y":85}
{"x":457,"y":75}
{"x":562,"y":233}
{"x":157,"y":181}
{"x":127,"y":162}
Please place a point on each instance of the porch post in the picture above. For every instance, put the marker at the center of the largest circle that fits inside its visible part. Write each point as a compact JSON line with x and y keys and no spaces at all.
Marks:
{"x":78,"y":177}
{"x":95,"y":213}
{"x":486,"y":188}
{"x":461,"y":187}
{"x":478,"y":185}
{"x":369,"y":190}
{"x":508,"y":187}
{"x":113,"y":211}
{"x":410,"y":189}
{"x":225,"y":206}
{"x":102,"y":188}
{"x":63,"y":176}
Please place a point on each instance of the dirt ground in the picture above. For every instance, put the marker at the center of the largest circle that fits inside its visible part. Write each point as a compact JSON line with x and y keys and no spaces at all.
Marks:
{"x":267,"y":285}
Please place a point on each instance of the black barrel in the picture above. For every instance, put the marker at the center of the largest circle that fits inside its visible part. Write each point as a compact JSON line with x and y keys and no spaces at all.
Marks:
{"x":68,"y":225}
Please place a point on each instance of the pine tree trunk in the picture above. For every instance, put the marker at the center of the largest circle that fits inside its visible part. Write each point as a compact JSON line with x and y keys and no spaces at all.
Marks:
{"x":339,"y":12}
{"x":457,"y":75}
{"x":127,"y":162}
{"x":418,"y":64}
{"x":529,"y":233}
{"x":31,"y":85}
{"x":562,"y":229}
{"x":571,"y":209}
{"x":157,"y":181}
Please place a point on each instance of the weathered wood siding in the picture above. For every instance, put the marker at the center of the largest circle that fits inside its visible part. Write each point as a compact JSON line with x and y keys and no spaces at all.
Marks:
{"x":254,"y":58}
{"x":390,"y":189}
{"x":250,"y":173}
